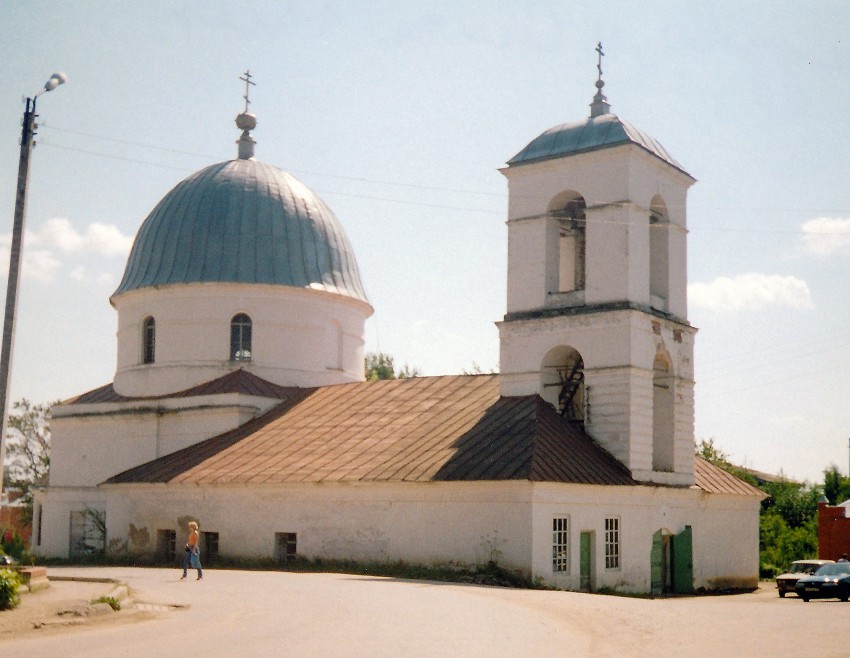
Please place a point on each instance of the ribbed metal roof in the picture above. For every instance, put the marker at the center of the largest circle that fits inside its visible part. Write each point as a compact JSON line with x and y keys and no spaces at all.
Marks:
{"x":424,"y":429}
{"x":714,"y":479}
{"x":239,"y":381}
{"x":243,"y":221}
{"x":604,"y":131}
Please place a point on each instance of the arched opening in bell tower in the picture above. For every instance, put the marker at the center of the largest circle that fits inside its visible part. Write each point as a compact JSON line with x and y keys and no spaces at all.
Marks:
{"x":659,"y":254}
{"x":569,"y":210}
{"x":662,"y":413}
{"x":562,"y":383}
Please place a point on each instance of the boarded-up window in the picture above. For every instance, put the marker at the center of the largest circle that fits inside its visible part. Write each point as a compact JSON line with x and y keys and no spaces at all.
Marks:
{"x":87,"y":534}
{"x":209,"y":547}
{"x":285,"y":546}
{"x":166,"y":545}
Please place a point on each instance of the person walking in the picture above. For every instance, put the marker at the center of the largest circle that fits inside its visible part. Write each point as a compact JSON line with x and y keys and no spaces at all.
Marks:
{"x":193,"y":552}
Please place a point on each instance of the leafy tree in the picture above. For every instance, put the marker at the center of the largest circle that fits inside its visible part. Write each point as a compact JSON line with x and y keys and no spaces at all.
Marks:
{"x":477,"y":370}
{"x":379,"y":365}
{"x":27,"y":449}
{"x":711,"y":452}
{"x":408,"y":372}
{"x":788,"y":527}
{"x":836,"y":487}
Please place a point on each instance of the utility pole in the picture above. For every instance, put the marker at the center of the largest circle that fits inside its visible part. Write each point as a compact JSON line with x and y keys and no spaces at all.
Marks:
{"x":27,"y":135}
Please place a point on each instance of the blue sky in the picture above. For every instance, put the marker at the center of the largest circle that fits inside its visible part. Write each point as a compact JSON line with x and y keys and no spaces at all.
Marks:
{"x":399,"y":115}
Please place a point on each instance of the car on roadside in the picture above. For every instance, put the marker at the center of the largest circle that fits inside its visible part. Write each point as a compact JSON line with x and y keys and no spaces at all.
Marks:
{"x":831,"y":581}
{"x":798,"y":569}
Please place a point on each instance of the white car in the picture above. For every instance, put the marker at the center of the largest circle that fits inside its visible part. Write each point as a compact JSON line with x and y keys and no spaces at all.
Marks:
{"x":798,"y":569}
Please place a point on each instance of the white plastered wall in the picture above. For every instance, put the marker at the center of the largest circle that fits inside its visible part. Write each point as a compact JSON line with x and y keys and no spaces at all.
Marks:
{"x":463,"y":523}
{"x":52,"y":516}
{"x":300,"y":337}
{"x":716,"y":520}
{"x":92,"y":442}
{"x":429,"y":523}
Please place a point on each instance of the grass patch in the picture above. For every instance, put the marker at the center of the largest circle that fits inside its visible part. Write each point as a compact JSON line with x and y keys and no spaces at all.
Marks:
{"x":490,"y":573}
{"x":114,"y":603}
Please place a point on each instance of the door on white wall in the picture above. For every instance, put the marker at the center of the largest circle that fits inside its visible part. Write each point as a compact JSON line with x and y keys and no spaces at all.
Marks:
{"x":585,"y":561}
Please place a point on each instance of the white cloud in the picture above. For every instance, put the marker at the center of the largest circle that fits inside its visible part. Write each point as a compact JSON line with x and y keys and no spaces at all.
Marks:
{"x":41,"y":262}
{"x":38,"y":264}
{"x":100,"y":239}
{"x":824,"y":236}
{"x":750,"y":292}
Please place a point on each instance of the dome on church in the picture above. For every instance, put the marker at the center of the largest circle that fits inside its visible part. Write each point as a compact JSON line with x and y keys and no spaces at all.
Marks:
{"x":597,"y":132}
{"x":243,"y":221}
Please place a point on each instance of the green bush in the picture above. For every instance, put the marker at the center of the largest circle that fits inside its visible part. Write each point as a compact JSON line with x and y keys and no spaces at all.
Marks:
{"x":9,"y":584}
{"x":13,"y":544}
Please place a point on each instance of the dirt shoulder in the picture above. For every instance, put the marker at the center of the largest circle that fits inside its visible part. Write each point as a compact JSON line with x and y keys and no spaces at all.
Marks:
{"x":63,"y":605}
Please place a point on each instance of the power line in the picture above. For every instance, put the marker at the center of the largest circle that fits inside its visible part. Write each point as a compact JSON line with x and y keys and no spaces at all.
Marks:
{"x":360,"y":179}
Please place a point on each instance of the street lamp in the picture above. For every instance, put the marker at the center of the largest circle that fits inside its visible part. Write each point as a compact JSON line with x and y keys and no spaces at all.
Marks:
{"x":27,"y":134}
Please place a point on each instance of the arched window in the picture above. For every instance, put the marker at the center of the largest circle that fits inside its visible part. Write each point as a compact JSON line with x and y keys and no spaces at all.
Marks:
{"x":568,"y":209}
{"x":663,"y":438}
{"x":148,"y":340}
{"x":563,"y":385}
{"x":240,"y":338}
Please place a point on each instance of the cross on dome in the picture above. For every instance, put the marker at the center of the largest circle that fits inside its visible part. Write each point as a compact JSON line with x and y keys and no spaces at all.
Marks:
{"x":600,"y":104}
{"x":246,"y":121}
{"x":248,"y":84}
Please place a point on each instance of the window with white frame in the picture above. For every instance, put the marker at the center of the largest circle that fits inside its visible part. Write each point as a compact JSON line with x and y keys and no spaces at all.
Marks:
{"x":561,"y":543}
{"x":612,"y":542}
{"x":240,"y":338}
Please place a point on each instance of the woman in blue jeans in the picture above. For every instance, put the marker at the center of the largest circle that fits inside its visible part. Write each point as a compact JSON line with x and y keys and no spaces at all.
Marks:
{"x":193,"y":552}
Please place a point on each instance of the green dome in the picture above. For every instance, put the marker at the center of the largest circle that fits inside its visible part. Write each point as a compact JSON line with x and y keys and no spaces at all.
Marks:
{"x":597,"y":132}
{"x":243,"y":221}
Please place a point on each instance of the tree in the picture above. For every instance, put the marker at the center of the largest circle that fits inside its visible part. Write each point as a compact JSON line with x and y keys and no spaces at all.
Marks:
{"x":379,"y":365}
{"x":27,"y":449}
{"x":788,"y":517}
{"x":477,"y":370}
{"x":712,"y":453}
{"x":836,"y":487}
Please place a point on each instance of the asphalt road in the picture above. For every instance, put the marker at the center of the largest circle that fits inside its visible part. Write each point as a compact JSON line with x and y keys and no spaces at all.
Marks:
{"x":233,"y":613}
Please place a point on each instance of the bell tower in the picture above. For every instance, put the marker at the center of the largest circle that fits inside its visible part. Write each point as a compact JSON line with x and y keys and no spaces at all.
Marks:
{"x":596,"y":319}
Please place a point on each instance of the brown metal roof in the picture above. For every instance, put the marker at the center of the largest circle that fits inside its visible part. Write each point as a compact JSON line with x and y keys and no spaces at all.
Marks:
{"x":423,"y":429}
{"x":714,"y":479}
{"x":238,"y":381}
{"x":446,"y":428}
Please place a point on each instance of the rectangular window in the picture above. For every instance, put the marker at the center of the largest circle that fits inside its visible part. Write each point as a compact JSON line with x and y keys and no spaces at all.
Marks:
{"x":87,"y":534}
{"x":612,"y":542}
{"x":166,"y":545}
{"x":209,"y":548}
{"x":561,"y":543}
{"x":285,"y":544}
{"x":38,"y":513}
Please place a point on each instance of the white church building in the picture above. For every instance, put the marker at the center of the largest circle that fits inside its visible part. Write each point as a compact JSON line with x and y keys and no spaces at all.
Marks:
{"x":239,"y":398}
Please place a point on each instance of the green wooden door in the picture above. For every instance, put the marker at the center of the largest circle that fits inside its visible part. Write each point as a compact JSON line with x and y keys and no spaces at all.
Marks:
{"x":656,"y":559}
{"x":683,"y":562}
{"x":585,"y":561}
